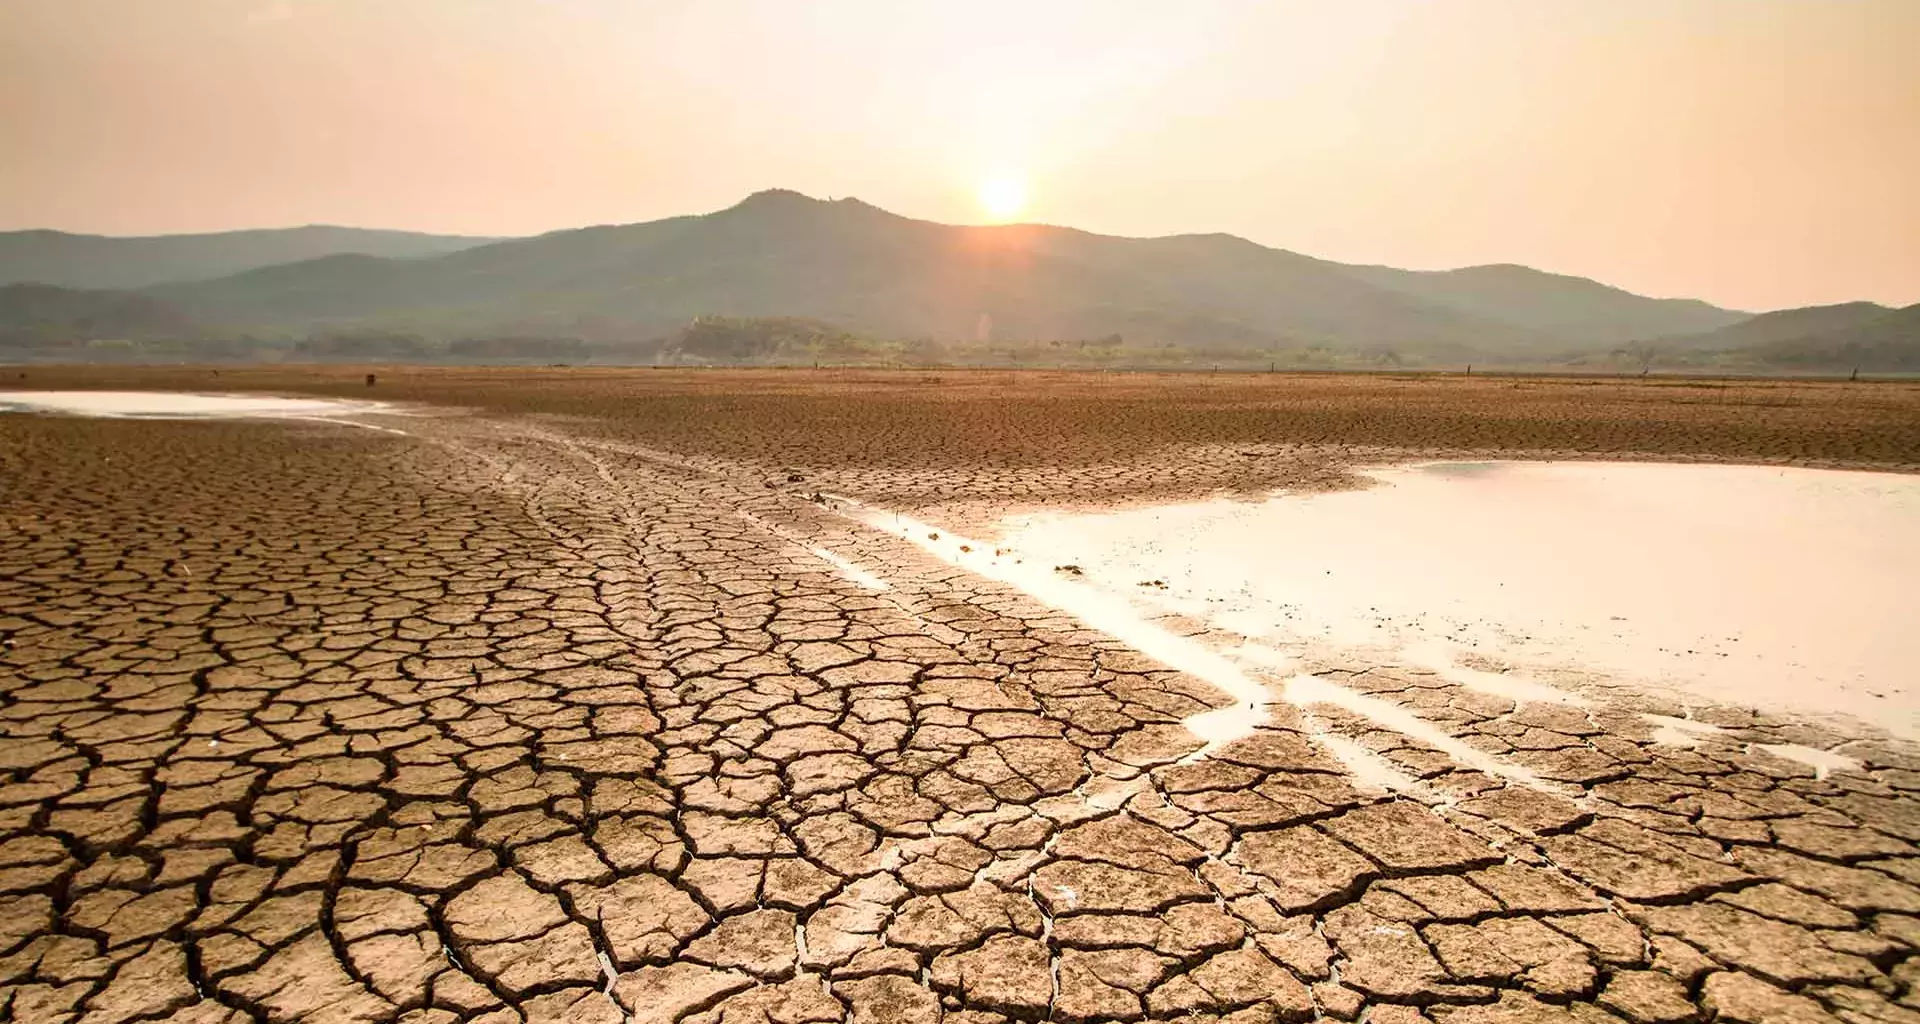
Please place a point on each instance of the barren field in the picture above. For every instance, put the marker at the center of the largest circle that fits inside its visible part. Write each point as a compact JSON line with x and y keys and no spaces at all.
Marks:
{"x":593,"y":695}
{"x":1006,"y":437}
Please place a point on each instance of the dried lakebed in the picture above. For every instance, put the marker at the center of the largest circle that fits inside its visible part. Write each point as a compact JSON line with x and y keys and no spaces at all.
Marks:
{"x":498,"y":722}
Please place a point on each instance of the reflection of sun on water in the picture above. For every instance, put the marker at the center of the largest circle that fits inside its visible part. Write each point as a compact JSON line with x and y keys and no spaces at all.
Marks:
{"x":1003,"y":197}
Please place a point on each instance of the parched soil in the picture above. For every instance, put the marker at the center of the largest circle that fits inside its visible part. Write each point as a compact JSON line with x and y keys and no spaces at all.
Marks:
{"x":553,"y":710}
{"x":1076,"y":438}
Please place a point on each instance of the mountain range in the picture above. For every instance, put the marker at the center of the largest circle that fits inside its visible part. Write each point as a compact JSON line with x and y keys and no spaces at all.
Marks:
{"x":100,"y":261}
{"x":849,"y":267}
{"x":1864,"y":335}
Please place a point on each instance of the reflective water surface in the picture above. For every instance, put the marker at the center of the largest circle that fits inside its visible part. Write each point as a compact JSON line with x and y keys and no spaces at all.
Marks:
{"x":1787,"y":589}
{"x":175,"y":404}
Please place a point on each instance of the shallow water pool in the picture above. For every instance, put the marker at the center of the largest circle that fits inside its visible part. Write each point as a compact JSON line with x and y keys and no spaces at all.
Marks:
{"x":178,"y":405}
{"x":1788,"y":589}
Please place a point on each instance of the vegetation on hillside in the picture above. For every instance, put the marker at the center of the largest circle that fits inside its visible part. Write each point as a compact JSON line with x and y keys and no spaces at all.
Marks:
{"x":782,"y":279}
{"x":872,"y":274}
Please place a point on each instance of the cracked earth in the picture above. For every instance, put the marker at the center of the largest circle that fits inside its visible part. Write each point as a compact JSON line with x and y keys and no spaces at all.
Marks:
{"x":499,"y":720}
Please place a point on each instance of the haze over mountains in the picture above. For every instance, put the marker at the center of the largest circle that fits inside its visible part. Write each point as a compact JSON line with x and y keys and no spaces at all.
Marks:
{"x":99,"y":261}
{"x":841,"y":268}
{"x":1789,"y":324}
{"x":1857,"y":334}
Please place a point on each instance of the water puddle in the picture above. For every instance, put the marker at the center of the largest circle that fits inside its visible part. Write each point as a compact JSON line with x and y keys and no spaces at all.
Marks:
{"x":1064,"y":587}
{"x":1823,"y":762}
{"x":1370,"y":770}
{"x":1789,"y":590}
{"x":1516,"y":687}
{"x":1058,"y":586}
{"x":178,"y":405}
{"x":1786,"y":590}
{"x":1681,"y":732}
{"x":848,"y":570}
{"x":1306,"y":691}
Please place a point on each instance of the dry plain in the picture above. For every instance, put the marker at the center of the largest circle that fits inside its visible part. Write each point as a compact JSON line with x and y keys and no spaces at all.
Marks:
{"x":555,"y":699}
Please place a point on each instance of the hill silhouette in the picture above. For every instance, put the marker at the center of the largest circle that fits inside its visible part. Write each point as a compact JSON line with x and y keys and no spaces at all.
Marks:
{"x":101,"y":261}
{"x":1559,"y":305}
{"x":864,"y":270}
{"x":50,"y":310}
{"x":1785,"y":325}
{"x":1889,"y":343}
{"x":854,"y":270}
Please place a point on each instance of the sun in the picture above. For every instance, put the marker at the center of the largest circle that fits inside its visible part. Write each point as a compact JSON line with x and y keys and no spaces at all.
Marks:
{"x":1003,"y":197}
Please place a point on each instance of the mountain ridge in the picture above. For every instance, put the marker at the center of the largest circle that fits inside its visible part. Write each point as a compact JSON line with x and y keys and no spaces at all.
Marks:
{"x":870,"y":272}
{"x":1785,"y":325}
{"x":1857,"y":336}
{"x":86,"y":261}
{"x":866,"y":269}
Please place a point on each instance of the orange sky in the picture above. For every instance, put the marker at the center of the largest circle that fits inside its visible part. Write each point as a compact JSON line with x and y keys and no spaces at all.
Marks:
{"x":1756,"y":153}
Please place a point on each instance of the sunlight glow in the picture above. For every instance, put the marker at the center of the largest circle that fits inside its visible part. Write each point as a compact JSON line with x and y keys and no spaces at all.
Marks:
{"x":1003,"y":197}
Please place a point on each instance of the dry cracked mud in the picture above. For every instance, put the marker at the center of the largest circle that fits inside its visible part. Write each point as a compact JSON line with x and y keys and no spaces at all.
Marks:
{"x":524,"y":718}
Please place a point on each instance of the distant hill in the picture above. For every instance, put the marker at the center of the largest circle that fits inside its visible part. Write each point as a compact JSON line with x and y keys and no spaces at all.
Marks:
{"x":1573,"y":308}
{"x":783,"y":277}
{"x":867,"y":271}
{"x":100,"y":261}
{"x":1784,"y":325}
{"x":35,"y":311}
{"x":1815,"y":339}
{"x":1889,"y":343}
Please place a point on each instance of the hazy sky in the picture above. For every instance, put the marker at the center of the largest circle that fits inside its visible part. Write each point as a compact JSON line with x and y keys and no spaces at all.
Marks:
{"x":1756,"y":153}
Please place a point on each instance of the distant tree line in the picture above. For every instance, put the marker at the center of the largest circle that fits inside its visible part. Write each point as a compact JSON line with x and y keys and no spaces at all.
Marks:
{"x":53,"y":325}
{"x":732,"y":339}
